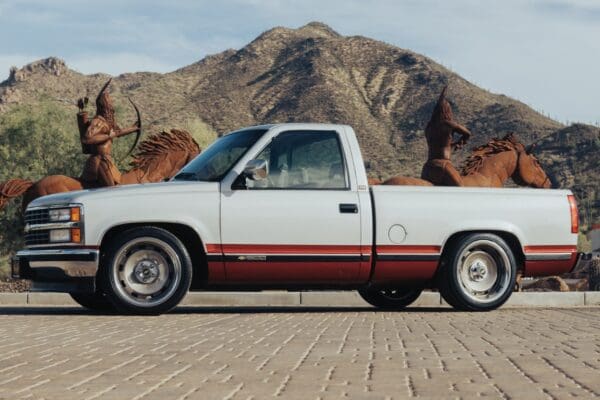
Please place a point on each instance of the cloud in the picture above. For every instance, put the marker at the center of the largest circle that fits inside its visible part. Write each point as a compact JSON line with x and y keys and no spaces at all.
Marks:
{"x":587,"y":11}
{"x":542,"y":52}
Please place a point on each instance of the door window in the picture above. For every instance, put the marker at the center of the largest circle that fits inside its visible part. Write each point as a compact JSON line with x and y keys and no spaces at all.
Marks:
{"x":303,"y":160}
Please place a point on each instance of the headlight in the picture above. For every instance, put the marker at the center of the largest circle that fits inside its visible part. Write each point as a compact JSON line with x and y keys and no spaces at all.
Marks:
{"x":64,"y":214}
{"x":60,"y":235}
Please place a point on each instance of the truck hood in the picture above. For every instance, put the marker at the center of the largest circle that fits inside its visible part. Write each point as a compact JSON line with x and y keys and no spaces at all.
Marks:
{"x":129,"y":191}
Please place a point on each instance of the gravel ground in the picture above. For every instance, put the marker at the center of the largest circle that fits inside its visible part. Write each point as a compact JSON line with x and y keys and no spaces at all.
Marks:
{"x":14,"y":286}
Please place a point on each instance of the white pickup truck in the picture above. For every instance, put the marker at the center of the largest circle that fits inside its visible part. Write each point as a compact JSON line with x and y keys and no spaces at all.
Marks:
{"x":288,"y":206}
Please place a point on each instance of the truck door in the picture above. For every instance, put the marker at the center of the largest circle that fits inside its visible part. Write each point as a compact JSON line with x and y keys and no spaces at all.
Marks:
{"x":299,"y":225}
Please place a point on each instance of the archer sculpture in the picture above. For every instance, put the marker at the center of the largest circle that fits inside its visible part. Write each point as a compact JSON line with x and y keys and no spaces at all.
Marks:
{"x":96,"y":137}
{"x":439,"y":134}
{"x":157,"y":158}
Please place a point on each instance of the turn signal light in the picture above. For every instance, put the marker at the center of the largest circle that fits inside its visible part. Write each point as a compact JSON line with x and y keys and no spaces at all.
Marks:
{"x":574,"y":214}
{"x":75,"y":214}
{"x":76,"y":235}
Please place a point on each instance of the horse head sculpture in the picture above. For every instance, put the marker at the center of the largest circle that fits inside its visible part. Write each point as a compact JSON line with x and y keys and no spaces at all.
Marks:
{"x":529,"y":172}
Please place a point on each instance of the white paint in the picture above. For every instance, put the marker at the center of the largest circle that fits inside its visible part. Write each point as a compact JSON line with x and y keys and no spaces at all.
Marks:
{"x":397,"y":234}
{"x":430,"y":214}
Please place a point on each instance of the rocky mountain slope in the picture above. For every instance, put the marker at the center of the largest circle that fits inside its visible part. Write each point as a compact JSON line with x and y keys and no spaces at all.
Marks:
{"x":314,"y":74}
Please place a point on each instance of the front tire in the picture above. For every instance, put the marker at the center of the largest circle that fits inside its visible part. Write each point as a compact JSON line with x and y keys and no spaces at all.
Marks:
{"x":478,"y":273}
{"x":390,"y":299}
{"x":147,"y":270}
{"x":96,"y":301}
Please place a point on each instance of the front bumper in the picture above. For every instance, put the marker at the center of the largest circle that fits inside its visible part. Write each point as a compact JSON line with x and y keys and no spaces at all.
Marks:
{"x":62,"y":270}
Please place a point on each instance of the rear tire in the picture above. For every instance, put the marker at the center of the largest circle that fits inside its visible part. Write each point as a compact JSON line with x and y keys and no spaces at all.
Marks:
{"x":390,"y":299}
{"x":96,"y":301}
{"x":146,"y":271}
{"x":478,"y":273}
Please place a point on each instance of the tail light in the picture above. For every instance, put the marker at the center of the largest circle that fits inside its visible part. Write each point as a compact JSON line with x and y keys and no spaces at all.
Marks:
{"x":574,"y":214}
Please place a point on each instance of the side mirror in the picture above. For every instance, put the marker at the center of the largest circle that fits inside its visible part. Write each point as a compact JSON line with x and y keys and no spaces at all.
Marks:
{"x":256,"y":170}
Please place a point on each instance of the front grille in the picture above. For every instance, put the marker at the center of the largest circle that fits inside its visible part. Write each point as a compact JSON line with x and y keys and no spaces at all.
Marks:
{"x":37,"y":216}
{"x":37,"y":238}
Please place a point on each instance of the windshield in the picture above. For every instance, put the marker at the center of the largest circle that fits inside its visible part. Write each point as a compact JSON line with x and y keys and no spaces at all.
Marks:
{"x":216,"y":161}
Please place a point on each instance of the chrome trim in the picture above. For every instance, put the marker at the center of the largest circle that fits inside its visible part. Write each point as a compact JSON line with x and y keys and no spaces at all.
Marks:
{"x":56,"y":244}
{"x":46,"y":252}
{"x":77,"y":224}
{"x":548,"y":256}
{"x":76,"y":263}
{"x":52,"y":225}
{"x":53,"y":206}
{"x":252,"y":258}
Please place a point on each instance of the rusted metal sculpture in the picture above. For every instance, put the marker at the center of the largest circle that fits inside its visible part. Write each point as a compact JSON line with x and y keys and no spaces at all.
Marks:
{"x":492,"y":164}
{"x":489,"y":165}
{"x":157,"y":158}
{"x":96,"y":137}
{"x":439,"y":134}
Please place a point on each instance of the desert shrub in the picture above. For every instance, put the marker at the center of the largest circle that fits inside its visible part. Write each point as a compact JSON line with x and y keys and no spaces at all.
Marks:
{"x":583,"y":243}
{"x":36,"y":140}
{"x":203,"y":133}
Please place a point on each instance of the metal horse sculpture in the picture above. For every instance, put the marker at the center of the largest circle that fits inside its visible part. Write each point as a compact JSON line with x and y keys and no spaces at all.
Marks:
{"x":157,"y":158}
{"x":491,"y":164}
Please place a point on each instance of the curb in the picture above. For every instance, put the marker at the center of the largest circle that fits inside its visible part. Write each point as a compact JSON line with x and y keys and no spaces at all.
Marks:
{"x":316,"y":299}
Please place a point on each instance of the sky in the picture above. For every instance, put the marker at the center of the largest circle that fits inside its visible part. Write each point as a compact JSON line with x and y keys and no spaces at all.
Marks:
{"x":545,"y":53}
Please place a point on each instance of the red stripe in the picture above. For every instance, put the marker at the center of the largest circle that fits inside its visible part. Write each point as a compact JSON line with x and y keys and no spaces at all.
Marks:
{"x":550,"y":249}
{"x":291,"y":249}
{"x":392,"y":249}
{"x":351,"y":249}
{"x":318,"y":249}
{"x":213,"y":248}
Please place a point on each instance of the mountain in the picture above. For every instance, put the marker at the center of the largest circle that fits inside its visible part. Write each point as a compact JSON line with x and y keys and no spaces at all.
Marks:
{"x":571,"y":156}
{"x":315,"y":74}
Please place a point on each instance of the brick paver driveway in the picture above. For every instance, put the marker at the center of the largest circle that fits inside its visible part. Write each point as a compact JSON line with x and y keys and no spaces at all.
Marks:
{"x":233,"y":353}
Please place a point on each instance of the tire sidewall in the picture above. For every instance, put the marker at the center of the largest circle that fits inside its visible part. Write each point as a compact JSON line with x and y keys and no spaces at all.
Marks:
{"x":375,"y":298}
{"x":463,"y":300}
{"x":96,"y":301}
{"x":108,"y":264}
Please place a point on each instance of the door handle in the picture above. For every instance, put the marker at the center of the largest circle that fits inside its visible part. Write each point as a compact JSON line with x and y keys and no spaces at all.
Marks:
{"x":348,"y":208}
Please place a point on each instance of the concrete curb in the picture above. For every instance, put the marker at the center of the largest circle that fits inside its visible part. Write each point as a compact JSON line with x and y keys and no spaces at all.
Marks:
{"x":315,"y":299}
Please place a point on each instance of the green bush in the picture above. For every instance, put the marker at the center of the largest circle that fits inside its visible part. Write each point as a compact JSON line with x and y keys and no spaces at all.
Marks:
{"x":42,"y":139}
{"x":203,"y":133}
{"x":37,"y":140}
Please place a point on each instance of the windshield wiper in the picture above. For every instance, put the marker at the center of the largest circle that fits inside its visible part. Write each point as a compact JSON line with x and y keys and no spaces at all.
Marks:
{"x":186,"y":176}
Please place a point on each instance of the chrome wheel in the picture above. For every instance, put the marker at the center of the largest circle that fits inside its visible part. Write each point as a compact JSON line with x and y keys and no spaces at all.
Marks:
{"x":146,"y":271}
{"x":484,"y":271}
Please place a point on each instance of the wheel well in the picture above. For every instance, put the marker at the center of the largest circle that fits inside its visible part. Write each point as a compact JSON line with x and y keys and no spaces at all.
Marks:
{"x":509,"y":238}
{"x":188,"y":237}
